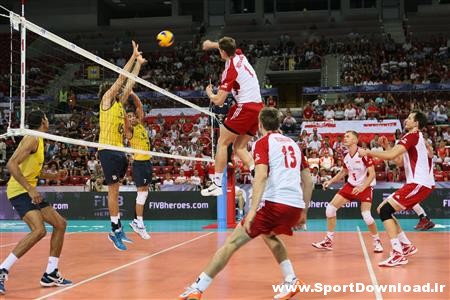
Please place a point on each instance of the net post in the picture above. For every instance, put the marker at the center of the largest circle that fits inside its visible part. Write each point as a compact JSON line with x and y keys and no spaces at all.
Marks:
{"x":231,"y":197}
{"x":222,"y":204}
{"x":11,"y":107}
{"x":22,"y":66}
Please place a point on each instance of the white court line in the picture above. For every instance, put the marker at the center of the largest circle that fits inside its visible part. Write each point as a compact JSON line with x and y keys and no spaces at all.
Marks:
{"x":122,"y":266}
{"x":373,"y":277}
{"x":46,"y":238}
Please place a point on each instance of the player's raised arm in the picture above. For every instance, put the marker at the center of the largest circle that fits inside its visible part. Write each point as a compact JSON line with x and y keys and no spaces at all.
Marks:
{"x":130,"y":82}
{"x":210,"y":45}
{"x":139,"y":108}
{"x":115,"y":88}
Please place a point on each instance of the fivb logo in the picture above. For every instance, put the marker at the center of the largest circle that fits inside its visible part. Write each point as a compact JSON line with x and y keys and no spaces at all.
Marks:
{"x":446,"y":203}
{"x":101,"y":205}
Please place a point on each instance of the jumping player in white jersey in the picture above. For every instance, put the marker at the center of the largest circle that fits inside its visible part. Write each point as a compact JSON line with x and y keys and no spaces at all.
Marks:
{"x":276,"y":206}
{"x":359,"y":186}
{"x":412,"y":150}
{"x":425,"y":222}
{"x":241,"y":122}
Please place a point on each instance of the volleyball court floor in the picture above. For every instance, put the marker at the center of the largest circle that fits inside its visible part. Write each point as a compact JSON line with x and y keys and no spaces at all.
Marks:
{"x":160,"y":268}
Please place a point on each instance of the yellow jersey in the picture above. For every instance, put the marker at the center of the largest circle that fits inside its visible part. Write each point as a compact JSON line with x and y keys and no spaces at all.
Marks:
{"x":112,"y":124}
{"x":140,"y":141}
{"x":31,"y":169}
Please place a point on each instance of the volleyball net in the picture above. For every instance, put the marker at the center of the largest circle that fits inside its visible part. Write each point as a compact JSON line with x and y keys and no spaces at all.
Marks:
{"x":53,"y":74}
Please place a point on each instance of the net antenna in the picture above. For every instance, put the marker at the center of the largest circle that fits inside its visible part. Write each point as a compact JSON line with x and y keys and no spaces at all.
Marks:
{"x":15,"y":21}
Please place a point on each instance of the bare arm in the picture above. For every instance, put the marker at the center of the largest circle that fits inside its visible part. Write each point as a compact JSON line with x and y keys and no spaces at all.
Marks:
{"x":339,"y":176}
{"x":370,"y":177}
{"x":28,"y":146}
{"x":130,"y":82}
{"x":391,"y":154}
{"x":307,"y":186}
{"x":259,"y":184}
{"x":219,"y":98}
{"x":115,"y":88}
{"x":139,"y":108}
{"x":386,"y":146}
{"x":208,"y":45}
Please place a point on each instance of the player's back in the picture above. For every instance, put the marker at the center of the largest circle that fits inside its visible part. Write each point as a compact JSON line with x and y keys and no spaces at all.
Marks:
{"x":357,"y":168}
{"x":240,"y":74}
{"x":418,"y":166}
{"x":283,"y":157}
{"x":112,"y":123}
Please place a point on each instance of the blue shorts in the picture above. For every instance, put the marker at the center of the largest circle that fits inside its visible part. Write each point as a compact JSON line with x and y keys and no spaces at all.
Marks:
{"x":22,"y":204}
{"x":142,"y":172}
{"x":114,"y":165}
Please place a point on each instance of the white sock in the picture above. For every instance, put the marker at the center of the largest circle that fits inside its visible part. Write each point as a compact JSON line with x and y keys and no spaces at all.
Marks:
{"x":288,"y":270}
{"x":330,"y":235}
{"x":218,"y":178}
{"x":376,"y":236}
{"x":402,"y":238}
{"x":419,"y":210}
{"x":8,"y":262}
{"x":241,"y":211}
{"x":115,"y":220}
{"x":395,"y":243}
{"x":52,"y":264}
{"x":202,"y":283}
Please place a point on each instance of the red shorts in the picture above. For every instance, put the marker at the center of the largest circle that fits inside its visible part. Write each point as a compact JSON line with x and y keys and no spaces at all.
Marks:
{"x":364,"y":196}
{"x":410,"y":194}
{"x":274,"y":218}
{"x":243,"y":118}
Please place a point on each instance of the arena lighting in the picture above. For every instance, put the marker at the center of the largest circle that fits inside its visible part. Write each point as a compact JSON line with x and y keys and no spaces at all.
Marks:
{"x":167,"y":2}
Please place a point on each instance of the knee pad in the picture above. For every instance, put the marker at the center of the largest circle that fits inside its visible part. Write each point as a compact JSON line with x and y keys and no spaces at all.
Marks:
{"x":330,"y":211}
{"x":367,"y":217}
{"x":386,"y":212}
{"x":141,"y":197}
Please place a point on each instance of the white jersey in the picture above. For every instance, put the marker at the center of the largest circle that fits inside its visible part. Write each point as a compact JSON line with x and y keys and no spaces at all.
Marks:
{"x":284,"y":160}
{"x":357,"y":168}
{"x":418,"y":166}
{"x":240,"y":79}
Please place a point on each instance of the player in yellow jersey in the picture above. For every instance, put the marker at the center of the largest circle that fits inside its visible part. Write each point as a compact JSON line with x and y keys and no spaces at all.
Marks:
{"x":142,"y":167}
{"x":113,"y":125}
{"x":25,"y":166}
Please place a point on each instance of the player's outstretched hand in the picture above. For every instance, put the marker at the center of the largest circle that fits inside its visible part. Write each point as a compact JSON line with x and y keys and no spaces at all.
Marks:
{"x":141,"y":60}
{"x":136,"y":51}
{"x":363,"y":152}
{"x":383,"y":141}
{"x":326,"y":184}
{"x":208,"y":45}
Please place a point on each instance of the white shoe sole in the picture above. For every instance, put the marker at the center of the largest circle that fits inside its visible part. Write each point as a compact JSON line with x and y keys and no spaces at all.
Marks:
{"x":395,"y":265}
{"x":135,"y":229}
{"x":212,"y":193}
{"x":317,"y":246}
{"x":44,"y":284}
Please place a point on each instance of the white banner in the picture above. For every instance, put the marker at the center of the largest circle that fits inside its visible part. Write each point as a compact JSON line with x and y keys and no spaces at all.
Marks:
{"x":363,"y":126}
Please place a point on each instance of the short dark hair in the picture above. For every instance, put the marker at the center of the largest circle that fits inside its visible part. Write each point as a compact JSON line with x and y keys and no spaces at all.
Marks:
{"x":34,"y":119}
{"x":269,"y":118}
{"x":228,"y":45}
{"x":352,"y":132}
{"x":421,"y":118}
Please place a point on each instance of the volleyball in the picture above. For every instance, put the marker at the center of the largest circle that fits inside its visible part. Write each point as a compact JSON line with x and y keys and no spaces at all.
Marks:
{"x":165,"y":38}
